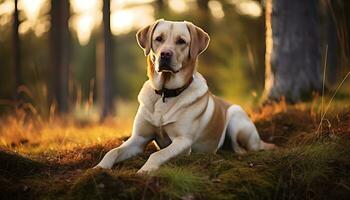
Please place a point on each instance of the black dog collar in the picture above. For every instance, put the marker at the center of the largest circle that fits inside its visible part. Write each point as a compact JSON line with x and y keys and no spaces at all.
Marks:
{"x":167,"y":93}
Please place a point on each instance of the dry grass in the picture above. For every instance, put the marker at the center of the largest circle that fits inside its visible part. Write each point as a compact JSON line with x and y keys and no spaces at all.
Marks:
{"x":26,"y":134}
{"x":54,"y":158}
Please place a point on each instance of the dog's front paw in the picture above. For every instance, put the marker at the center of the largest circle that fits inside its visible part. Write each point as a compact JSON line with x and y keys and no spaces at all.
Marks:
{"x":147,"y":169}
{"x":104,"y":165}
{"x":99,"y":166}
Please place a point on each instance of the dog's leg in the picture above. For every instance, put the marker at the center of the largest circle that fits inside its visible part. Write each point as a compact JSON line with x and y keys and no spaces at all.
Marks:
{"x":140,"y":137}
{"x":178,"y":146}
{"x":241,"y":128}
{"x":232,"y":133}
{"x":133,"y":146}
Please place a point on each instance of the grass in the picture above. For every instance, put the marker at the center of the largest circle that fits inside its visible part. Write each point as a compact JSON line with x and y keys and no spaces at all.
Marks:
{"x":26,"y":134}
{"x":53,"y":160}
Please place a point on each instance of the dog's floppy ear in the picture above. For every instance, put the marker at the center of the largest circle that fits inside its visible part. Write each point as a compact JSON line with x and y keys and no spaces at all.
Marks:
{"x":199,"y":40}
{"x":144,"y":36}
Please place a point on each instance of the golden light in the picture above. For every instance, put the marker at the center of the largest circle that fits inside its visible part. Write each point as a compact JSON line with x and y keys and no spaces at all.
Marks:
{"x":41,"y":27}
{"x":216,"y":9}
{"x":6,"y":10}
{"x":83,"y":24}
{"x":31,"y":9}
{"x":87,"y":16}
{"x":86,"y":6}
{"x":5,"y":19}
{"x":24,"y":27}
{"x":125,"y":20}
{"x":249,"y":7}
{"x":119,"y":4}
{"x":121,"y":22}
{"x":7,"y":7}
{"x":126,"y":15}
{"x":178,"y":6}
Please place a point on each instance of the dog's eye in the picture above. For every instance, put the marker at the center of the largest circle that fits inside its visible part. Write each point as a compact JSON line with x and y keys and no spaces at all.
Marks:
{"x":159,"y":39}
{"x":180,"y":41}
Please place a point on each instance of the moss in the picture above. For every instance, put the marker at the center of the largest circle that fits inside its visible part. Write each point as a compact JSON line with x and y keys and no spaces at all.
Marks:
{"x":179,"y":182}
{"x":318,"y":170}
{"x":108,"y":184}
{"x":305,"y":166}
{"x":14,"y":165}
{"x":311,"y":171}
{"x":256,"y":175}
{"x":11,"y":189}
{"x":167,"y":183}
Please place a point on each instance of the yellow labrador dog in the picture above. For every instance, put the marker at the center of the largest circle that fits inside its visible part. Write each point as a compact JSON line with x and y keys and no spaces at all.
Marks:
{"x":176,"y":110}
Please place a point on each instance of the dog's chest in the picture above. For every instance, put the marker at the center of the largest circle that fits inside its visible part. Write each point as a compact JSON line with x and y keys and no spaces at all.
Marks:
{"x":163,"y":113}
{"x":160,"y":113}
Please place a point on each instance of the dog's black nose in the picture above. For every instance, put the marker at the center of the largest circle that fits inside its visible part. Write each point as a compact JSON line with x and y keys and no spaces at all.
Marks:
{"x":166,"y":54}
{"x":165,"y":60}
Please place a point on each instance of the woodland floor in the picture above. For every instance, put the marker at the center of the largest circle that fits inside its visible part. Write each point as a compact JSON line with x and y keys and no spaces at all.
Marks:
{"x":312,"y":162}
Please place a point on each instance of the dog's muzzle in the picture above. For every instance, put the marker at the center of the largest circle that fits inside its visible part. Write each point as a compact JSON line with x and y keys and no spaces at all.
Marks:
{"x":165,"y":61}
{"x":164,"y":64}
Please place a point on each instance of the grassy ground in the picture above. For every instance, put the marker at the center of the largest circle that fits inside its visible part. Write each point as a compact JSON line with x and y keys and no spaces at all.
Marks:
{"x":53,"y":160}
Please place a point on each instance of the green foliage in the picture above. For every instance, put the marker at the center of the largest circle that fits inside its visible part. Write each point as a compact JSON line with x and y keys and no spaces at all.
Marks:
{"x":181,"y":181}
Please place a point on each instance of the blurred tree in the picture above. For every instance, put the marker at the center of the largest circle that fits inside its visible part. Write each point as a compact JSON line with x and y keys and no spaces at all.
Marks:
{"x":330,"y":40}
{"x":203,"y":5}
{"x":337,"y":26}
{"x":293,"y":51}
{"x":16,"y":51}
{"x":161,"y":9}
{"x":107,"y":106}
{"x":60,"y":51}
{"x":160,"y":4}
{"x":204,"y":15}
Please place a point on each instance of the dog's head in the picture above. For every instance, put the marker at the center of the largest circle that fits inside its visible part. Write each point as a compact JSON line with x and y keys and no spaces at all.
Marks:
{"x":170,"y":46}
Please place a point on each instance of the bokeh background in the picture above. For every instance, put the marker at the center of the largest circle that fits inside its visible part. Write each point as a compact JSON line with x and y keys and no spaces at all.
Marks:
{"x":234,"y":64}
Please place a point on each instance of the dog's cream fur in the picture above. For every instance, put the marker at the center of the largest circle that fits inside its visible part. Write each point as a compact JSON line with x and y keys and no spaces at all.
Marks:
{"x":195,"y":120}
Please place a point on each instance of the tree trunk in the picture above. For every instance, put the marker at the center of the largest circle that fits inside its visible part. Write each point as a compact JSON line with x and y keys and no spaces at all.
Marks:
{"x":160,"y":4}
{"x":293,"y":50}
{"x":107,"y":106}
{"x":60,"y":52}
{"x":16,"y":52}
{"x":338,"y":38}
{"x":333,"y":51}
{"x":161,"y":9}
